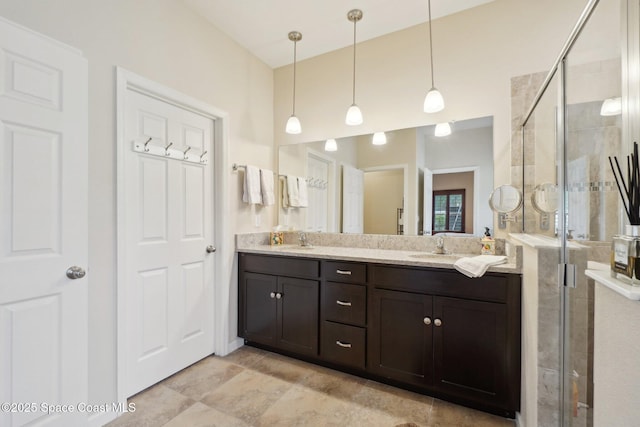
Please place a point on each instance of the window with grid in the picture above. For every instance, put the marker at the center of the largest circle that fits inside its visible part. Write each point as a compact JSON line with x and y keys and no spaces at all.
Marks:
{"x":448,"y":211}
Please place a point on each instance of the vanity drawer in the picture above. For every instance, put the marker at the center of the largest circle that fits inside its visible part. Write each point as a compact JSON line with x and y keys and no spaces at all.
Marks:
{"x":344,"y":303}
{"x":346,"y":272}
{"x":280,"y":265}
{"x":343,"y":344}
{"x":490,"y":287}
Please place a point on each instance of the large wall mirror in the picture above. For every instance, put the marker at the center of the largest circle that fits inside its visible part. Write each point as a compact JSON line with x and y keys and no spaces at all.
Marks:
{"x":414,"y":184}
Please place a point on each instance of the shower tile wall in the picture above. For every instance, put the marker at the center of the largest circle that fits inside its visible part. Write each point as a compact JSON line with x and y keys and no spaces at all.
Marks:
{"x":591,"y":138}
{"x":593,"y":194}
{"x":523,"y":91}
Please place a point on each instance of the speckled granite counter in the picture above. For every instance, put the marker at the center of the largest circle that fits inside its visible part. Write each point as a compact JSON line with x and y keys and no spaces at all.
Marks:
{"x":422,"y":258}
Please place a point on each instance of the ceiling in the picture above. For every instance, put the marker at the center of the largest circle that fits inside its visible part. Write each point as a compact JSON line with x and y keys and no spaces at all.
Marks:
{"x":262,"y":26}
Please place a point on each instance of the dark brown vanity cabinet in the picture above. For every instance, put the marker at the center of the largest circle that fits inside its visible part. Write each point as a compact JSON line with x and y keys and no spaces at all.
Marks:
{"x":447,"y":333}
{"x":279,"y":300}
{"x":344,"y":313}
{"x":428,"y":329}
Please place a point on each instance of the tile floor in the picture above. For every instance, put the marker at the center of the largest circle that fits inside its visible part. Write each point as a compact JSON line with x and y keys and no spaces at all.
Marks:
{"x":252,"y":387}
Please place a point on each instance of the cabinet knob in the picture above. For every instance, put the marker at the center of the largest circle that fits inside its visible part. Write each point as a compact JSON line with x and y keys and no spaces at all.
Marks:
{"x":278,"y":295}
{"x":344,"y":272}
{"x":344,"y":303}
{"x":437,"y":322}
{"x":343,"y":344}
{"x":272,"y":294}
{"x":427,"y":320}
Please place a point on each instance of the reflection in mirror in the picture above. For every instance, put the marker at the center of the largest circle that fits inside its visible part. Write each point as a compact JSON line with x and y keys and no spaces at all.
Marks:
{"x":390,"y":188}
{"x":544,"y":200}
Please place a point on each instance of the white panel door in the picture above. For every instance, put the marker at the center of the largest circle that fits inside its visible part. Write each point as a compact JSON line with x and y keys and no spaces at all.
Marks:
{"x":352,"y":200}
{"x":43,"y":229}
{"x":169,"y":223}
{"x":427,"y":209}
{"x":318,"y":190}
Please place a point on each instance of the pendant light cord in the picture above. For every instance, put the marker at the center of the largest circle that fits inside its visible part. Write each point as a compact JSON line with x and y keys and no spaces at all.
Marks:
{"x":430,"y":45}
{"x":295,"y":43}
{"x":354,"y":61}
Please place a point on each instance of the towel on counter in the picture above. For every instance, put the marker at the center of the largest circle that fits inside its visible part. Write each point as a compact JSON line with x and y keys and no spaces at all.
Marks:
{"x":292,"y":191}
{"x":252,"y":193}
{"x":266,"y":185}
{"x":303,"y":195}
{"x":476,"y":266}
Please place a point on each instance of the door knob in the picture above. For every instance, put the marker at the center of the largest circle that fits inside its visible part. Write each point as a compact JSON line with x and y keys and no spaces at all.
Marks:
{"x":210,"y":249}
{"x":427,"y":320}
{"x":437,"y":322}
{"x":272,"y":294}
{"x":75,"y":272}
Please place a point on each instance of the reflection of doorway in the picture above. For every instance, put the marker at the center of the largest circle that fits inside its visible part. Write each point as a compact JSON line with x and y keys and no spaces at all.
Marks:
{"x":321,"y":192}
{"x":458,"y":178}
{"x":383,"y":196}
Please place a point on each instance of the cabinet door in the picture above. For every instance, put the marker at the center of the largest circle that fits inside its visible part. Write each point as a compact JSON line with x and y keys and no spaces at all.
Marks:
{"x":471,"y":349}
{"x":400,"y":341}
{"x":259,"y":307}
{"x":298,"y":301}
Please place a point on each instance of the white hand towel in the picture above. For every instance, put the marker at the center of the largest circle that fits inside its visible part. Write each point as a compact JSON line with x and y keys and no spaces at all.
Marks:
{"x":285,"y":193}
{"x":303,"y":195}
{"x":252,"y":193}
{"x":476,"y":266}
{"x":266,"y":185}
{"x":292,"y":190}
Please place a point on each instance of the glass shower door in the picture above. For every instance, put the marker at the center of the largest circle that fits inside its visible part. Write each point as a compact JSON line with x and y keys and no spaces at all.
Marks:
{"x":592,"y":134}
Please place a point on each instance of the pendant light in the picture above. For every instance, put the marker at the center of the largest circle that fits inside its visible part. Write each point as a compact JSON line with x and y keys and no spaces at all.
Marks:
{"x":293,"y":124}
{"x":442,"y":129}
{"x":433,"y":102}
{"x":611,"y":107}
{"x":331,"y":145}
{"x":354,"y":115}
{"x":379,"y":138}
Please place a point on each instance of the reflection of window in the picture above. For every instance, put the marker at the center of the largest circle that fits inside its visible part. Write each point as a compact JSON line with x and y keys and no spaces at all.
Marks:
{"x":448,"y":211}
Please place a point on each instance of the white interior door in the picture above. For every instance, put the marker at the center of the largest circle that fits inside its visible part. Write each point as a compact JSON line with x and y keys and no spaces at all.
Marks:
{"x":352,"y":200}
{"x":427,"y":209}
{"x":318,"y":191}
{"x":43,"y":229}
{"x":169,"y":225}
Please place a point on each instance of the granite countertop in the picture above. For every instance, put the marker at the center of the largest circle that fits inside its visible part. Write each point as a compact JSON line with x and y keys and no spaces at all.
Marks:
{"x":383,"y":256}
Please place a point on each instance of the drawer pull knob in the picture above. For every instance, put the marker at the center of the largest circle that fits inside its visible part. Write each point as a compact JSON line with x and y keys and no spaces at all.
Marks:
{"x":438,"y":322}
{"x":345,"y":272}
{"x":345,"y":303}
{"x":427,"y":320}
{"x":278,"y":295}
{"x":272,"y":294}
{"x":343,"y":344}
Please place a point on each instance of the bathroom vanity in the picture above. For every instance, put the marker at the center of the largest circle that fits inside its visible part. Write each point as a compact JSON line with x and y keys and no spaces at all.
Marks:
{"x":392,"y":316}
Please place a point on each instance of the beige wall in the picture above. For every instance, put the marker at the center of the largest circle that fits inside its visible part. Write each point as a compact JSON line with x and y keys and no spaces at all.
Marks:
{"x":473,"y":67}
{"x":164,"y":41}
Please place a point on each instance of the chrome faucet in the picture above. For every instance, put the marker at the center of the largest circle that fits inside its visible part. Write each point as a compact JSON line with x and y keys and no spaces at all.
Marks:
{"x":302,"y":237}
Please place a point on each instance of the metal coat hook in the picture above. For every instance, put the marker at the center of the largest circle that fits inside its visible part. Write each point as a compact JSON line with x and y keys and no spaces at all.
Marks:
{"x":146,"y":143}
{"x":185,"y":151}
{"x":166,"y":149}
{"x":202,"y":155}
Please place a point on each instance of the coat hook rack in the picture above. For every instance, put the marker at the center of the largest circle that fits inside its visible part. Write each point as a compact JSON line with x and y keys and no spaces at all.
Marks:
{"x":143,"y":145}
